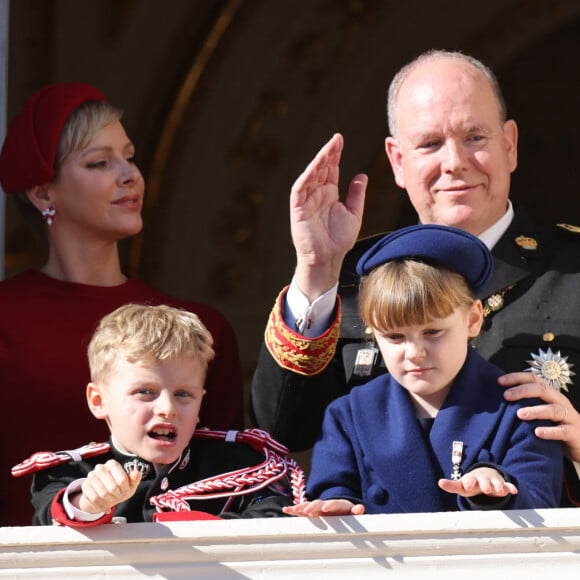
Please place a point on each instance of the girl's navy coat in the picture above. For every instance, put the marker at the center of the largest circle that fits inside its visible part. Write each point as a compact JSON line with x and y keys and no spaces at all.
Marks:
{"x":374,"y":451}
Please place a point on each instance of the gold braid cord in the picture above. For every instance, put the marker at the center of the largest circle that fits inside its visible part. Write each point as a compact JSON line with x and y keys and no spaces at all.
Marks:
{"x":292,"y":351}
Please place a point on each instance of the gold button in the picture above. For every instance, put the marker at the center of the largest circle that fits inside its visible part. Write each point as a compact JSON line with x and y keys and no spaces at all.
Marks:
{"x":549,"y":336}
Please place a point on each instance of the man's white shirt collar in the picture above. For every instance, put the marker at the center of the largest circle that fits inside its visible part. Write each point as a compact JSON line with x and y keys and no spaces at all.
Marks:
{"x":491,"y":236}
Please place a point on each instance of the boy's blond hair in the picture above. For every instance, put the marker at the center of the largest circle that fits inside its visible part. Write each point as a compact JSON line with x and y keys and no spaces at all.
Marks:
{"x":147,"y":333}
{"x":408,"y":292}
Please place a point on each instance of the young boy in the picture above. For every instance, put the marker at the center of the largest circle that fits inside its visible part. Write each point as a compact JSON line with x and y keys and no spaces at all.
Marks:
{"x":435,"y":434}
{"x":148,"y":366}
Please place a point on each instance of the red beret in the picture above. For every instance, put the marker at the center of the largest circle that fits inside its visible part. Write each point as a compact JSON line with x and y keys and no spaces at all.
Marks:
{"x":29,"y":150}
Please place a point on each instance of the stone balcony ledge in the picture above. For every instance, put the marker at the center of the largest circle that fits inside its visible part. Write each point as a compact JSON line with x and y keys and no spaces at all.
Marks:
{"x":495,"y":544}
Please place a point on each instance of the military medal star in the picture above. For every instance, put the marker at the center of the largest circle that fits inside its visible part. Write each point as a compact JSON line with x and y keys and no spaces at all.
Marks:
{"x":553,"y":368}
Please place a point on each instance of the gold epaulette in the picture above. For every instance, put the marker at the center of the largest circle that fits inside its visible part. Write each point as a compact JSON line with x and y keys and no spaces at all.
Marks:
{"x":292,"y":351}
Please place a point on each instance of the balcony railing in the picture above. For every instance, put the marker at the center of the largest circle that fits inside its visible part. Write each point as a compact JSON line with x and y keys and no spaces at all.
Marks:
{"x":494,"y":545}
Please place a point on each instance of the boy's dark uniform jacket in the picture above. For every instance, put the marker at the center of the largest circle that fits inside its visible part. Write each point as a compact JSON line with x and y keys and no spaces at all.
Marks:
{"x":206,"y":458}
{"x":536,"y":272}
{"x":374,"y":451}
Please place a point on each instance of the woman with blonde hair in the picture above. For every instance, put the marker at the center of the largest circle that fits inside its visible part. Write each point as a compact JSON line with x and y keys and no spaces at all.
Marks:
{"x":69,"y":162}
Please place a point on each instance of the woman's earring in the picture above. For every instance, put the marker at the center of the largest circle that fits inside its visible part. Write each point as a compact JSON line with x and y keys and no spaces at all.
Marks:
{"x":48,"y":215}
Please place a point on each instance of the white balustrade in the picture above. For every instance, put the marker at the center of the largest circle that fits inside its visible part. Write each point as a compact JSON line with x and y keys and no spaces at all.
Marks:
{"x":468,"y":545}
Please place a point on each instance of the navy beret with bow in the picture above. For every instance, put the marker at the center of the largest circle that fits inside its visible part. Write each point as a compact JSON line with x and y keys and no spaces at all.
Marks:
{"x":453,"y":248}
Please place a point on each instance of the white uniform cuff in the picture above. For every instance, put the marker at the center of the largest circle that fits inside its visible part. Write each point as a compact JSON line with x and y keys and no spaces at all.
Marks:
{"x":310,"y":320}
{"x":73,"y":512}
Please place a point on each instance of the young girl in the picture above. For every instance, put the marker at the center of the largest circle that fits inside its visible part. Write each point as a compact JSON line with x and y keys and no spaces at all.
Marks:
{"x":435,"y":434}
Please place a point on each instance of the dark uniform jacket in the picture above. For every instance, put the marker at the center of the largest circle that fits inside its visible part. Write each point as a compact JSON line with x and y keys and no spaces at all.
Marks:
{"x":202,"y":459}
{"x":374,"y":450}
{"x":538,"y":274}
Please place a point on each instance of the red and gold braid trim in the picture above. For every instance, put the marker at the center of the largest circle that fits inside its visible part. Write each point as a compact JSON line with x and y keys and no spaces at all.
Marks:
{"x":292,"y":351}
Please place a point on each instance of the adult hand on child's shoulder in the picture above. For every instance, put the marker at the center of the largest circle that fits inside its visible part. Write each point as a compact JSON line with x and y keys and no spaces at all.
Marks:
{"x":557,"y":408}
{"x":106,"y":486}
{"x":325,"y":507}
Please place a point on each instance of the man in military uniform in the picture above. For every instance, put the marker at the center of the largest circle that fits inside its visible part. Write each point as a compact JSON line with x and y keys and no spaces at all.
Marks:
{"x":453,"y":149}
